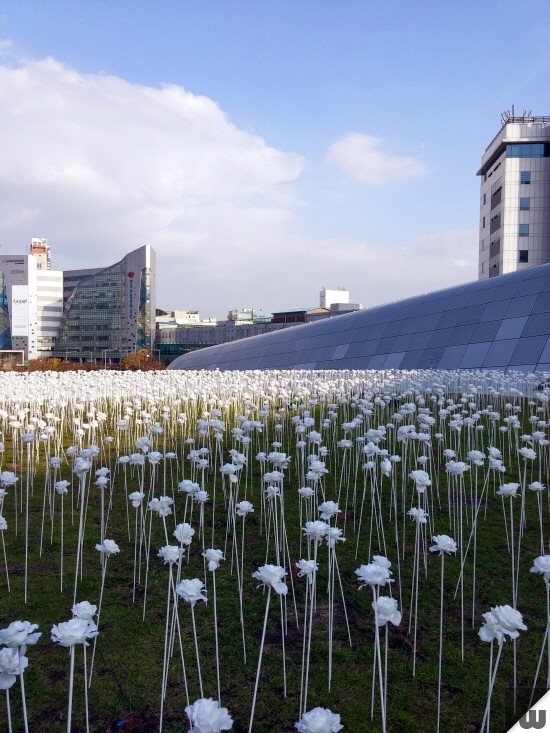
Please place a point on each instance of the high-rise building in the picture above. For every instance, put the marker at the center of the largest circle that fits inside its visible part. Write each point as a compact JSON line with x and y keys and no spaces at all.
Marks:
{"x":102,"y":313}
{"x":514,"y":226}
{"x":109,"y":312}
{"x":32,"y":302}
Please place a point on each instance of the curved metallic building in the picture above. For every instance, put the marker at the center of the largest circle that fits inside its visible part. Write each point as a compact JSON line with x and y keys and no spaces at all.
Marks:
{"x":497,"y":323}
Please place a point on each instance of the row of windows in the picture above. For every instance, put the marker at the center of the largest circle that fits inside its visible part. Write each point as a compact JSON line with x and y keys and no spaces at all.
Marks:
{"x":528,"y":150}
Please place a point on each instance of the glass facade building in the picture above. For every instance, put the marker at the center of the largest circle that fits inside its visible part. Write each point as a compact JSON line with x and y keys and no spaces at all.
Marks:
{"x":497,"y":323}
{"x":109,"y":312}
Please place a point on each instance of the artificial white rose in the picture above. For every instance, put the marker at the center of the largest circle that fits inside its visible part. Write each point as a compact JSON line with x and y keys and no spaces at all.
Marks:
{"x":184,"y":533}
{"x":541,"y":565}
{"x":84,"y":610}
{"x":213,"y":557}
{"x":443,"y":544}
{"x":191,"y":590}
{"x":170,"y":554}
{"x":108,"y":548}
{"x":206,"y":716}
{"x":72,"y":632}
{"x":386,"y":611}
{"x":243,"y":508}
{"x":319,"y":720}
{"x":11,"y":664}
{"x":373,"y":575}
{"x":272,"y":575}
{"x":19,"y":633}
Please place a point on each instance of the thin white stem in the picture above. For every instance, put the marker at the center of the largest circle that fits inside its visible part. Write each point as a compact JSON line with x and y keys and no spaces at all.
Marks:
{"x":259,"y":661}
{"x":71,"y":679}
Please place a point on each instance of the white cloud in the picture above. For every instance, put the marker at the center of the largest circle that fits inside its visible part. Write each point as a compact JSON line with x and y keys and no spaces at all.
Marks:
{"x":100,"y":166}
{"x":361,"y":158}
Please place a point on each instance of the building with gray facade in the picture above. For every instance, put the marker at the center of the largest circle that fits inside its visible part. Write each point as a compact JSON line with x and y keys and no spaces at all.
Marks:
{"x":514,"y":226}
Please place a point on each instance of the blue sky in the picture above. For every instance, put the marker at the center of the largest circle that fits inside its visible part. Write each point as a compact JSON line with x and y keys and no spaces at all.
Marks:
{"x":264,"y":149}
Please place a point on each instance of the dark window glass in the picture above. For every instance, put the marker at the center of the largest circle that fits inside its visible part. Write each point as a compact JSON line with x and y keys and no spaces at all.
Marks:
{"x":523,"y":230}
{"x":494,"y":249}
{"x":524,"y":203}
{"x":523,"y":255}
{"x":525,"y":177}
{"x":527,"y":150}
{"x":495,"y":223}
{"x":496,"y":198}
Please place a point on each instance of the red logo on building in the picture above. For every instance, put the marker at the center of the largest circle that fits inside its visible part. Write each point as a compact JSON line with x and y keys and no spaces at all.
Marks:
{"x":131,"y":274}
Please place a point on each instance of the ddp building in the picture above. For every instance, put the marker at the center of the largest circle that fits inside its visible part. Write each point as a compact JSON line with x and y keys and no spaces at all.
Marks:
{"x":498,"y":323}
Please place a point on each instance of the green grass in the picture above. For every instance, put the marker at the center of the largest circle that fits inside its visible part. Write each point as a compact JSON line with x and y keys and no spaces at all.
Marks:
{"x":125,"y":692}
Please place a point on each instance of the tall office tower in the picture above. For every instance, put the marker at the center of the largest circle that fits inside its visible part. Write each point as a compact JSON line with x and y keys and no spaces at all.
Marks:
{"x":514,"y":225}
{"x":31,"y":302}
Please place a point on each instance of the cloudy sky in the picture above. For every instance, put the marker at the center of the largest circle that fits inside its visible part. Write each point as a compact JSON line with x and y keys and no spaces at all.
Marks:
{"x":264,"y":149}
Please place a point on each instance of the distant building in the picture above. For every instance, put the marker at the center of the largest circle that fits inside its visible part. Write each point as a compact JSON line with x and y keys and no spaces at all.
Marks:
{"x":514,"y":224}
{"x":109,"y":312}
{"x":31,"y":307}
{"x":328,"y":297}
{"x":174,"y":339}
{"x":78,"y":314}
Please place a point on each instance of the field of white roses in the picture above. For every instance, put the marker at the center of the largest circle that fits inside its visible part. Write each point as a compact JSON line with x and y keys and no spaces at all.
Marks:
{"x":273,"y":551}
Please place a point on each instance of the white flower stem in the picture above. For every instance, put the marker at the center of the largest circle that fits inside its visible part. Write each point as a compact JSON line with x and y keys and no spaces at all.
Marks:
{"x":440,"y":643}
{"x":378,"y":658}
{"x":103,"y":573}
{"x":216,"y":637}
{"x":8,"y":709}
{"x":61,"y":556}
{"x":260,"y":661}
{"x":81,"y":488}
{"x":165,"y":658}
{"x":311,"y":606}
{"x":492,"y":676}
{"x":86,"y":689}
{"x":5,"y":562}
{"x":27,"y":520}
{"x":196,"y":648}
{"x":71,"y":679}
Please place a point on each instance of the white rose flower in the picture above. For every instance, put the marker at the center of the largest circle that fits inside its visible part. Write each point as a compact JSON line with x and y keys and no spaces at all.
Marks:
{"x":272,"y":575}
{"x":136,"y":497}
{"x":19,"y":633}
{"x":171,"y":554}
{"x":191,"y":590}
{"x":307,"y":568}
{"x":184,"y":533}
{"x":541,"y":565}
{"x":11,"y":663}
{"x":75,"y":631}
{"x":243,"y":508}
{"x":206,"y":716}
{"x":108,"y":548}
{"x":328,"y":509}
{"x":316,"y":530}
{"x":386,"y":610}
{"x":509,"y":619}
{"x":162,"y":506}
{"x":508,"y":490}
{"x":84,"y":610}
{"x":527,"y":453}
{"x":213,"y":557}
{"x":319,"y":720}
{"x":373,"y":575}
{"x":443,"y":544}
